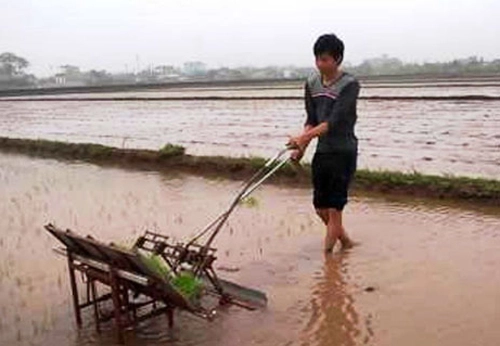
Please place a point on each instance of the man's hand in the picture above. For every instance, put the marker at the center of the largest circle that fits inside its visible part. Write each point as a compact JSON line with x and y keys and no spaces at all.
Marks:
{"x":300,"y":142}
{"x":296,"y":155}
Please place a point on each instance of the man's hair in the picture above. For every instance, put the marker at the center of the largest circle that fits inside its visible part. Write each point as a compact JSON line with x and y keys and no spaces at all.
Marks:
{"x":331,"y":45}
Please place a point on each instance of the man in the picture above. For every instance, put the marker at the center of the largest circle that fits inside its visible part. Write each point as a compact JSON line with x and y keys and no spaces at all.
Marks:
{"x":330,"y":102}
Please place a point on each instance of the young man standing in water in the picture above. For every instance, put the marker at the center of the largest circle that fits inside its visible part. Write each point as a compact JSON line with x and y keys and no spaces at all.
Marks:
{"x":330,"y":102}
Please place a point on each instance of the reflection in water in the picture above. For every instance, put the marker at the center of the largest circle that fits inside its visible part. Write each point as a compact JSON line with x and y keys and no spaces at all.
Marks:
{"x":334,"y":319}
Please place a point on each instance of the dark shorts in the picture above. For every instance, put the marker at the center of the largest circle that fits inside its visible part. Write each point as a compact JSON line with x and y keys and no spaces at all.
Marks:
{"x":331,"y":176}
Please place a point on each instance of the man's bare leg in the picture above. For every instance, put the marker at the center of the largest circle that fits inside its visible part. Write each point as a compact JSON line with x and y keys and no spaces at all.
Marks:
{"x":333,"y":227}
{"x":337,"y":229}
{"x":329,"y":240}
{"x":323,"y":215}
{"x":332,"y":219}
{"x":345,"y":240}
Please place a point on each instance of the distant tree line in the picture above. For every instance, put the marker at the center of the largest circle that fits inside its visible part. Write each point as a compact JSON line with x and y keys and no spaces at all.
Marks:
{"x":13,"y":72}
{"x":386,"y":65}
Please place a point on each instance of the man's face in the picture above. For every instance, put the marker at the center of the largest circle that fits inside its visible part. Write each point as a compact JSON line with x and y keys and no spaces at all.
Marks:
{"x":326,"y":64}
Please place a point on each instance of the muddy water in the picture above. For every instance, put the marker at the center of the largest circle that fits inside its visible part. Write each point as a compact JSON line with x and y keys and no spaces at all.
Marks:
{"x":439,"y":137}
{"x":423,"y":275}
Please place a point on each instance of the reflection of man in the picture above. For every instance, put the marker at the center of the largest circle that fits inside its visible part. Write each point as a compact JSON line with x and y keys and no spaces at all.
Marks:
{"x":330,"y":98}
{"x":334,"y":319}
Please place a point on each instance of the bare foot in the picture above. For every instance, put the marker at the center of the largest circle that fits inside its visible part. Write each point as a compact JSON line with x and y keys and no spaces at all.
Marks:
{"x":347,"y":243}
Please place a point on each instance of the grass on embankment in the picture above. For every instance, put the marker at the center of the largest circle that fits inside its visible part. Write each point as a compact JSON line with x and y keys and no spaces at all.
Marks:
{"x":173,"y":158}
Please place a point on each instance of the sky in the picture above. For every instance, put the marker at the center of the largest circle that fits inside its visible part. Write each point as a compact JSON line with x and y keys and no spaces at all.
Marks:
{"x":119,"y":35}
